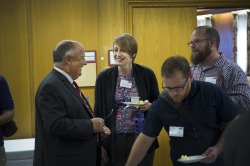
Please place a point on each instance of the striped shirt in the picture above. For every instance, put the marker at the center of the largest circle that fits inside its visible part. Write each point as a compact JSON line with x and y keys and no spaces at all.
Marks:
{"x":230,"y":77}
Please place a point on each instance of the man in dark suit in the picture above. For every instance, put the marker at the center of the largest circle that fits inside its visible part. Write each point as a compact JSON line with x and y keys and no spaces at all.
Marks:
{"x":66,"y":132}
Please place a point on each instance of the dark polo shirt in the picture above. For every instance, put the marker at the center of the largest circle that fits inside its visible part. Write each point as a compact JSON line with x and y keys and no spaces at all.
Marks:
{"x":208,"y":103}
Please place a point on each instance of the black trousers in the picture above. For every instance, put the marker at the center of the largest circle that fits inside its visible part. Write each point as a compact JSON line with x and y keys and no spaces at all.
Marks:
{"x":123,"y":145}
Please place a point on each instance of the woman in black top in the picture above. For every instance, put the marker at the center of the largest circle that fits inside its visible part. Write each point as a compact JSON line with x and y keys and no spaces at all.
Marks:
{"x":123,"y":83}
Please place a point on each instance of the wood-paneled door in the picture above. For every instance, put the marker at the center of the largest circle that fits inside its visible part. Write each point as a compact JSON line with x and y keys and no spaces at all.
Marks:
{"x":162,"y":32}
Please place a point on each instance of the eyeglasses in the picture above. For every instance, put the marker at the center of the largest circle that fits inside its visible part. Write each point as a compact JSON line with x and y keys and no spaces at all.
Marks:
{"x":176,"y":89}
{"x":196,"y":42}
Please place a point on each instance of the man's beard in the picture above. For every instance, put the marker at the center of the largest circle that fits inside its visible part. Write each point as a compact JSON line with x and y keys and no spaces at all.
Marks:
{"x":201,"y":56}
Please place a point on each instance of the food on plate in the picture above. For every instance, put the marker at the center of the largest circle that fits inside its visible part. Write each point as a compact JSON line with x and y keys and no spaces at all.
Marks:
{"x":138,"y":102}
{"x":184,"y":157}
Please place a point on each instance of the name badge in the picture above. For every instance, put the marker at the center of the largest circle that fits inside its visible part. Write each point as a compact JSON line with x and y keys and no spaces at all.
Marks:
{"x":176,"y":131}
{"x":211,"y":79}
{"x":135,"y":99}
{"x":125,"y":84}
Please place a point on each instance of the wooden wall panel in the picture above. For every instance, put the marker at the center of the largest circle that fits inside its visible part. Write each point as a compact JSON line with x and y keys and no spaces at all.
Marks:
{"x":53,"y":21}
{"x":14,"y":60}
{"x":111,"y":24}
{"x":161,"y":33}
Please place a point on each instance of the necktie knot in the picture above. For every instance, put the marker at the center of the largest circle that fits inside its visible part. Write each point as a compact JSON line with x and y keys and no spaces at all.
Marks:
{"x":77,"y":87}
{"x":75,"y":84}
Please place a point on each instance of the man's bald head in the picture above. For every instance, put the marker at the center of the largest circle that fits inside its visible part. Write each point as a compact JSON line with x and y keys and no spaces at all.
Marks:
{"x":63,"y":48}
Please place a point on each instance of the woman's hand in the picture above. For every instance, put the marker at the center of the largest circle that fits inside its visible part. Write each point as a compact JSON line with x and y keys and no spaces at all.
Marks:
{"x":146,"y":106}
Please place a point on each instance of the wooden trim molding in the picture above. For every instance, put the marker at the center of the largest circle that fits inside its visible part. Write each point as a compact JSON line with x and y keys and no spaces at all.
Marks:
{"x":130,"y":4}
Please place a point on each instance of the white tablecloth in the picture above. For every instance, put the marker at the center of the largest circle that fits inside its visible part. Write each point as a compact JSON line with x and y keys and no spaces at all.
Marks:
{"x":20,"y":151}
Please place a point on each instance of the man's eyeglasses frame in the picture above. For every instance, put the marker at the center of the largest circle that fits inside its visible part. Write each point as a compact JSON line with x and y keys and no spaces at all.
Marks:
{"x":196,"y":42}
{"x":176,"y":89}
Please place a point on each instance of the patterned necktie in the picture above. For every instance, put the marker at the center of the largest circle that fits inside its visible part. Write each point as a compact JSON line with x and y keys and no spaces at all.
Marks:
{"x":84,"y":99}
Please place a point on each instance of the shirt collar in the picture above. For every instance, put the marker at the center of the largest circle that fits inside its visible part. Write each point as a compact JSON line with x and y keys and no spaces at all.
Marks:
{"x":219,"y":61}
{"x":192,"y":92}
{"x":216,"y":63}
{"x":64,"y":73}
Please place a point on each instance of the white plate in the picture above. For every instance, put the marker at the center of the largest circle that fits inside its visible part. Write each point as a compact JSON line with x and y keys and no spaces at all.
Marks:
{"x":130,"y":104}
{"x":192,"y":159}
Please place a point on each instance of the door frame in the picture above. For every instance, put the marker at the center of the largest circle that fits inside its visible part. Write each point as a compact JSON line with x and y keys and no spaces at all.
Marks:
{"x":130,"y":4}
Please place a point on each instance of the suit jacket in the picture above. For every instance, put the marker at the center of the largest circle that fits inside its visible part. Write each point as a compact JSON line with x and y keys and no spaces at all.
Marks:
{"x":63,"y":129}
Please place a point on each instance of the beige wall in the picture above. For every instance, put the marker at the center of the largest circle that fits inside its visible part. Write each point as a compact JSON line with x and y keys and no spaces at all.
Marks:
{"x":30,"y":29}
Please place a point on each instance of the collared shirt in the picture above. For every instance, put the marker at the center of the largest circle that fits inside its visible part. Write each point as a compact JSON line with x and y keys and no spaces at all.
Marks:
{"x":230,"y":77}
{"x":207,"y":102}
{"x":65,"y":74}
